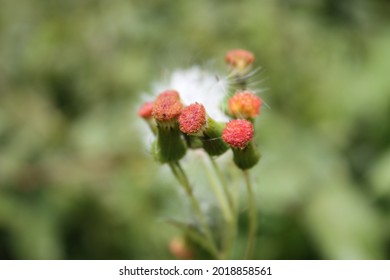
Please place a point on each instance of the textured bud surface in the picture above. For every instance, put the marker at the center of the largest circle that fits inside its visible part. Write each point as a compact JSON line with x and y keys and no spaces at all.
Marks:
{"x":192,"y":118}
{"x":239,"y":58}
{"x":238,"y":133}
{"x":245,"y":104}
{"x":167,"y":106}
{"x":146,"y":110}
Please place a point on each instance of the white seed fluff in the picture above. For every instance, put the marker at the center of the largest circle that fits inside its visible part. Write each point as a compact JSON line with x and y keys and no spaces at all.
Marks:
{"x":197,"y":85}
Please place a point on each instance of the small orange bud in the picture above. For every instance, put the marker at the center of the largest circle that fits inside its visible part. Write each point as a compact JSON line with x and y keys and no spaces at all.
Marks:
{"x":145,"y":111}
{"x":167,"y":106}
{"x":245,"y":104}
{"x":238,"y":133}
{"x":180,"y":249}
{"x":192,"y":118}
{"x":239,"y":58}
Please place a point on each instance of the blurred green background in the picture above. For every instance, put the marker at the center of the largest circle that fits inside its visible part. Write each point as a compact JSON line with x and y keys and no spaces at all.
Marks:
{"x":76,"y":179}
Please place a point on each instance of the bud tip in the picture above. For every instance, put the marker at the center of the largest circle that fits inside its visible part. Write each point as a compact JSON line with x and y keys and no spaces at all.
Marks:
{"x":145,"y":111}
{"x":167,"y":106}
{"x":245,"y":104}
{"x":239,"y":58}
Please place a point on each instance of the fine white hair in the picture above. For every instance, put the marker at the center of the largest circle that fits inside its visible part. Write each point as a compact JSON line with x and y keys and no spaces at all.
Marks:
{"x":197,"y":85}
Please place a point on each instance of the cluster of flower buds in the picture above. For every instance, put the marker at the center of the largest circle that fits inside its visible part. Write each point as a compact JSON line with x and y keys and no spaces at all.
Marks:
{"x":239,"y":60}
{"x":179,"y":127}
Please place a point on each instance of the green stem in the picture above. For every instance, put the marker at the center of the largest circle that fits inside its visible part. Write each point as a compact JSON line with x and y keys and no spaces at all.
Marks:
{"x":231,"y":222}
{"x":251,"y":217}
{"x":224,"y":185}
{"x":183,"y":179}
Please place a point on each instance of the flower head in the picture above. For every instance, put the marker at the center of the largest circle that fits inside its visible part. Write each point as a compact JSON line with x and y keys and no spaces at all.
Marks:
{"x":145,"y":111}
{"x":192,"y":118}
{"x":238,"y":133}
{"x":239,"y":58}
{"x":245,"y":104}
{"x":167,"y":106}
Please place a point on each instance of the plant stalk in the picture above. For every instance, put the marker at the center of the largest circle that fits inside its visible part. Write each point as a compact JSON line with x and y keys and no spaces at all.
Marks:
{"x":251,"y":217}
{"x":183,"y":180}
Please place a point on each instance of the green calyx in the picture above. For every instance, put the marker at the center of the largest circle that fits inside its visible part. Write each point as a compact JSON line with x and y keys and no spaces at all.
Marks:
{"x":193,"y":142}
{"x":169,"y":146}
{"x":212,"y":141}
{"x":246,"y":158}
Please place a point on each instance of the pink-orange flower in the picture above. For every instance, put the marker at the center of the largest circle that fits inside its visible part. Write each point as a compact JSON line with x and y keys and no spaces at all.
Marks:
{"x":245,"y":104}
{"x":238,"y":133}
{"x":239,"y":58}
{"x":167,"y":106}
{"x":192,"y":118}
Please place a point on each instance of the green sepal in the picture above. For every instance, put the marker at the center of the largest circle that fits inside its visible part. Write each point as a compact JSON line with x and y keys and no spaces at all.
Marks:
{"x":152,"y":125}
{"x":170,"y":145}
{"x":154,"y":151}
{"x":193,"y":142}
{"x":212,"y":138}
{"x":246,"y":158}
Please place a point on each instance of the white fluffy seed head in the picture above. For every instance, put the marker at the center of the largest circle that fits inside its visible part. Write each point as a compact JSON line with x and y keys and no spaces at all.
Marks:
{"x":197,"y":85}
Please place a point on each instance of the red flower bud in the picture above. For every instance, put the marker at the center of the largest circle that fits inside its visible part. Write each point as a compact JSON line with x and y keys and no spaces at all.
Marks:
{"x":167,"y":106}
{"x":245,"y":104}
{"x":145,"y":111}
{"x":238,"y":133}
{"x":192,"y":118}
{"x":239,"y":58}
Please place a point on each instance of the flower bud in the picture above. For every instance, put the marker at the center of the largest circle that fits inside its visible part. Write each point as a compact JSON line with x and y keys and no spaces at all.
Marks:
{"x":244,"y":104}
{"x":145,"y":112}
{"x":239,"y":59}
{"x":194,"y":121}
{"x":166,"y":109}
{"x":239,"y":135}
